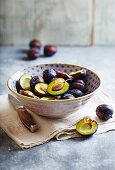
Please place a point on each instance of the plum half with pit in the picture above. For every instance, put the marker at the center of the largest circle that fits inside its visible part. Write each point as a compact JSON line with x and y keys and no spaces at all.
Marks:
{"x":57,"y":87}
{"x":76,"y":93}
{"x":34,"y":80}
{"x":104,"y":112}
{"x":86,"y":126}
{"x":48,"y":75}
{"x":41,"y":89}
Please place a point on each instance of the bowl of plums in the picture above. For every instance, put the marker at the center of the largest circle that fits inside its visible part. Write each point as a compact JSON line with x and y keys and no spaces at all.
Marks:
{"x":54,"y":90}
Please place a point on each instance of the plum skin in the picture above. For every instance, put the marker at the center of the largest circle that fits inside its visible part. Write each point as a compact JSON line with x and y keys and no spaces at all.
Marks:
{"x":35,"y":44}
{"x":78,"y":84}
{"x":49,"y":50}
{"x":48,"y":75}
{"x":67,"y":96}
{"x":76,"y":93}
{"x":80,"y":74}
{"x":34,"y":80}
{"x":33,"y":53}
{"x":104,"y":112}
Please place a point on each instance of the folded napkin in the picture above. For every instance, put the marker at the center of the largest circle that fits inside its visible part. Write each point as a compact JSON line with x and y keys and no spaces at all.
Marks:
{"x":61,"y":129}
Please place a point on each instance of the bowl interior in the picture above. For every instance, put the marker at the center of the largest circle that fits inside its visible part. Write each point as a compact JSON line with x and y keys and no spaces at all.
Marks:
{"x":92,"y":80}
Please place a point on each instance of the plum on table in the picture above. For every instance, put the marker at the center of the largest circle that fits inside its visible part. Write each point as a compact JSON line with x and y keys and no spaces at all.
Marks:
{"x":104,"y":112}
{"x":49,"y":50}
{"x":86,"y":126}
{"x":33,"y":53}
{"x":35,"y":44}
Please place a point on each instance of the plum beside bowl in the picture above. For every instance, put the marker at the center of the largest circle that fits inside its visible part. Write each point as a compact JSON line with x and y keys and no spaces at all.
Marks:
{"x":54,"y":108}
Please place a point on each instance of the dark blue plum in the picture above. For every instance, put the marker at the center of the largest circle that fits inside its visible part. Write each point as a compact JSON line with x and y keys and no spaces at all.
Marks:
{"x":67,"y":96}
{"x":48,"y":75}
{"x":76,"y":93}
{"x":104,"y":112}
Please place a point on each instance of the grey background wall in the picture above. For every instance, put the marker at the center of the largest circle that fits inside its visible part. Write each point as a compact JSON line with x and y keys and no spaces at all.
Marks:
{"x":62,"y":22}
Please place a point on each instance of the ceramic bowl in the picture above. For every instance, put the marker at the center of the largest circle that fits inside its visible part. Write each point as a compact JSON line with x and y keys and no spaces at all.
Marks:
{"x":54,"y":108}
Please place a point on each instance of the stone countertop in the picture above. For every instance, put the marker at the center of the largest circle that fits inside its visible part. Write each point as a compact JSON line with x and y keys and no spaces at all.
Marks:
{"x":96,"y":152}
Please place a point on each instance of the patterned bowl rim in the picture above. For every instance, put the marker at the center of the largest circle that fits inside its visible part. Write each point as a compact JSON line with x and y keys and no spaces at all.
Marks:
{"x":56,"y":100}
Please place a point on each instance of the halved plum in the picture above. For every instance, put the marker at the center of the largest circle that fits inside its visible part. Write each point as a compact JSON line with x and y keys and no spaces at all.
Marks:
{"x":80,"y":74}
{"x":86,"y":126}
{"x":41,"y":89}
{"x":57,"y":86}
{"x":64,"y":75}
{"x":26,"y":93}
{"x":34,"y":80}
{"x":24,"y":81}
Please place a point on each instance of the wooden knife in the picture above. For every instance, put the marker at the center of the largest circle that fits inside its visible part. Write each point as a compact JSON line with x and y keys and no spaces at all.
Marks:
{"x":25,"y":117}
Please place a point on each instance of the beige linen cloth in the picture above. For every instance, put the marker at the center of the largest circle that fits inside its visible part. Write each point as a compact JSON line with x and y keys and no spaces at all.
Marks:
{"x":61,"y":129}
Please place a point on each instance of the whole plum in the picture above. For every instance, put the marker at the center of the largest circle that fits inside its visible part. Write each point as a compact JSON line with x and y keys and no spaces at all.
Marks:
{"x":35,"y":44}
{"x":76,"y":93}
{"x":49,"y":50}
{"x":48,"y":75}
{"x":33,"y":53}
{"x":78,"y":84}
{"x":67,"y":96}
{"x":104,"y":112}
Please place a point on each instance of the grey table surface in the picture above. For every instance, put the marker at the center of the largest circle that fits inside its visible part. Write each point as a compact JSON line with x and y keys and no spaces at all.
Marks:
{"x":95,"y":153}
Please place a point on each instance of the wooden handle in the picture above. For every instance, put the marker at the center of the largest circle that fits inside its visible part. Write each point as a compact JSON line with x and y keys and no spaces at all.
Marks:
{"x":27,"y":119}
